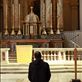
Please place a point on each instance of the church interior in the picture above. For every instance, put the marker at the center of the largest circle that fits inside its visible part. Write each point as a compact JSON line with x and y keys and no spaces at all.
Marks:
{"x":53,"y":27}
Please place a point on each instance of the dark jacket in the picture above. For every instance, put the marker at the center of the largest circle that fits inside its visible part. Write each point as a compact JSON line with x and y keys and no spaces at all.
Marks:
{"x":39,"y":71}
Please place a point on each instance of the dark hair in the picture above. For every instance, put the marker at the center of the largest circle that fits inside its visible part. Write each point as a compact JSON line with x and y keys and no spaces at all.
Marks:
{"x":37,"y":55}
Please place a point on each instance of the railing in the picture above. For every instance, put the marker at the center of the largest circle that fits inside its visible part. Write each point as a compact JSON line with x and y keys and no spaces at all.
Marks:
{"x":58,"y":54}
{"x":53,"y":55}
{"x":72,"y":38}
{"x":62,"y":63}
{"x":74,"y":44}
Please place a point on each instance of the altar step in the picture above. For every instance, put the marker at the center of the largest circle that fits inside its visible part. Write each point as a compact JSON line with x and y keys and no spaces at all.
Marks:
{"x":12,"y":59}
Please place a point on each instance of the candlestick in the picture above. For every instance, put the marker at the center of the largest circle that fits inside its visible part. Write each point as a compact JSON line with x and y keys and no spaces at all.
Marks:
{"x":58,"y":30}
{"x":13,"y":32}
{"x":26,"y":29}
{"x":19,"y":31}
{"x":44,"y":31}
{"x":6,"y":27}
{"x":23,"y":30}
{"x":51,"y":30}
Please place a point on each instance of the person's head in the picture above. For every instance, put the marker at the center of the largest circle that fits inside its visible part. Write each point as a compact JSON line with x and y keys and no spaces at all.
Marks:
{"x":37,"y":55}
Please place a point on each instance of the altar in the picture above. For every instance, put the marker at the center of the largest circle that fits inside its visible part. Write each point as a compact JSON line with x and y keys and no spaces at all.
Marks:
{"x":31,"y":30}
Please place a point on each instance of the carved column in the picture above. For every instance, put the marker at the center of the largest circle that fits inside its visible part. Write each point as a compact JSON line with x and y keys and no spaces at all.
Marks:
{"x":54,"y":14}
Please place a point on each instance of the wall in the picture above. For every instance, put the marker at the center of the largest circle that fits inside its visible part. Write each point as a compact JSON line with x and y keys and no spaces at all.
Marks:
{"x":81,"y":23}
{"x":71,"y":34}
{"x":81,"y":15}
{"x":75,"y":36}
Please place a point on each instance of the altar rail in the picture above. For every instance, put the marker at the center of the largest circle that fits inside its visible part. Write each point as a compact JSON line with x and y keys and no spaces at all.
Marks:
{"x":51,"y":55}
{"x":62,"y":67}
{"x":57,"y":54}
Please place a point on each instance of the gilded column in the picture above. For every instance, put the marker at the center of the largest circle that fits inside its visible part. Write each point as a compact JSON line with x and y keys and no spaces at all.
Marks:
{"x":54,"y":14}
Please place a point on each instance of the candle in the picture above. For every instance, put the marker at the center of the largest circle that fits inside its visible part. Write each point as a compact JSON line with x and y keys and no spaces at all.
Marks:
{"x":6,"y":16}
{"x":23,"y":30}
{"x":19,"y":15}
{"x":13,"y":14}
{"x":19,"y":31}
{"x":12,"y":33}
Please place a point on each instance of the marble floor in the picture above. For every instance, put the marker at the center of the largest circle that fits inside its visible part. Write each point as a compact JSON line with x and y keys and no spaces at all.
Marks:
{"x":60,"y":72}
